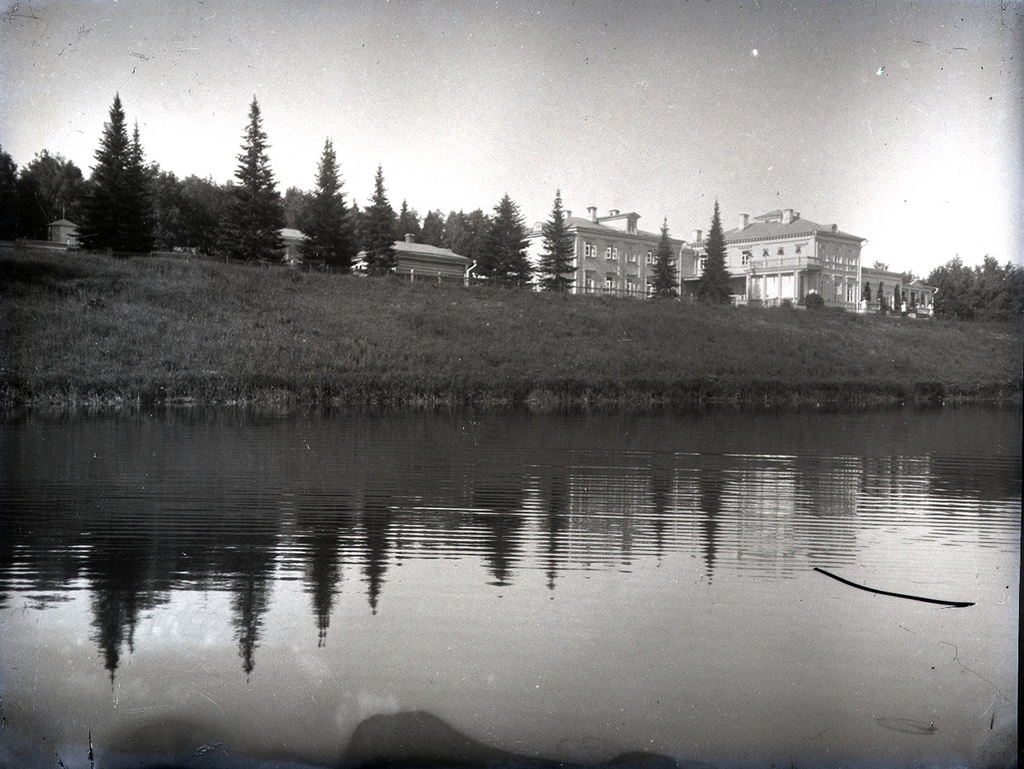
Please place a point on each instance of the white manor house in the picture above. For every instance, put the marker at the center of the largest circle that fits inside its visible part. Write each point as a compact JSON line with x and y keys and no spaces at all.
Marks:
{"x":776,"y":258}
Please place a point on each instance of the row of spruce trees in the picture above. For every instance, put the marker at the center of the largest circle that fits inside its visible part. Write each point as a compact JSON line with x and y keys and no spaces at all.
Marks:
{"x":129,"y":207}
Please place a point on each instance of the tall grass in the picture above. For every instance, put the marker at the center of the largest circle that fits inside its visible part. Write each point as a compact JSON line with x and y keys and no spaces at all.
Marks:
{"x":89,"y":329}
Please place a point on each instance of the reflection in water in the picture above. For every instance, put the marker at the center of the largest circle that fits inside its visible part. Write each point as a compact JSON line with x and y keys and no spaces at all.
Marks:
{"x":321,"y":535}
{"x":136,"y":541}
{"x":116,"y":572}
{"x":249,"y":564}
{"x":133,"y":514}
{"x":376,"y":525}
{"x":555,"y":491}
{"x":710,"y":484}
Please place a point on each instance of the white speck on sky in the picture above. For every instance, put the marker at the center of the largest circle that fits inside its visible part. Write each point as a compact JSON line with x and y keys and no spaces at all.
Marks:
{"x":658,"y":108}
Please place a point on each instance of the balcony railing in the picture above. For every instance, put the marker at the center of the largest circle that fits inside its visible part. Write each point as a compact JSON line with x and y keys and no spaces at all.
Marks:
{"x":784,"y":263}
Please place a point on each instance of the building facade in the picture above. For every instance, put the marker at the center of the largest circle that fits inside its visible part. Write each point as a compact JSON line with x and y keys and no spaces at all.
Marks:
{"x":64,"y":231}
{"x":886,"y":288}
{"x":612,"y":255}
{"x":419,"y":262}
{"x":781,"y":257}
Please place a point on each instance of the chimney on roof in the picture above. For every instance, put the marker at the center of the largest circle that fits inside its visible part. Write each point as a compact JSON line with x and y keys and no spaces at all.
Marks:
{"x":408,"y":237}
{"x":698,"y":236}
{"x":568,"y":214}
{"x":613,"y":212}
{"x":592,"y":210}
{"x":787,"y":215}
{"x":744,"y":221}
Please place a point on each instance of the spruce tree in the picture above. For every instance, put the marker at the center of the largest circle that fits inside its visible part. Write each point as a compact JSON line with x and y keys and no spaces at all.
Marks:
{"x":379,"y":228}
{"x":104,"y":208}
{"x":138,"y":213}
{"x":665,"y":284}
{"x":503,"y":257}
{"x":328,"y":237}
{"x":557,"y":262}
{"x":251,"y":229}
{"x":713,"y":285}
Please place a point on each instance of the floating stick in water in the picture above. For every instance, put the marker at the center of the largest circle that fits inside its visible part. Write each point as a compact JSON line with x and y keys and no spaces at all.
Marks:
{"x":939,"y":601}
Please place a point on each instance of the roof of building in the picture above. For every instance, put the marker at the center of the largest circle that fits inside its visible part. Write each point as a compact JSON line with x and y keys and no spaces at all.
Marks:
{"x":62,"y":223}
{"x":422,"y":249}
{"x":290,"y":233}
{"x":769,"y":225}
{"x":582,"y":222}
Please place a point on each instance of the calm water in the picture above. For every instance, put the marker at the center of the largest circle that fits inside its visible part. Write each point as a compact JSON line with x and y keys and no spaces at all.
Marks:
{"x":214,"y":586}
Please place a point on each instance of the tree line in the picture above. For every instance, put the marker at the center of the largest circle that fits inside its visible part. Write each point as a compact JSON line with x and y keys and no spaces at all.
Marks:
{"x":128,"y":206}
{"x":989,"y":291}
{"x":131,"y":206}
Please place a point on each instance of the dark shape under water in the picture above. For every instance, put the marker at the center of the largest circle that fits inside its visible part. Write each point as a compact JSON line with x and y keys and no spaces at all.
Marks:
{"x":415,"y":739}
{"x":406,"y":740}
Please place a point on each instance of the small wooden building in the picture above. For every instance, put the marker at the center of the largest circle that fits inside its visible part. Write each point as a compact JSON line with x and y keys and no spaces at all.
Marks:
{"x":419,"y":262}
{"x":64,"y":231}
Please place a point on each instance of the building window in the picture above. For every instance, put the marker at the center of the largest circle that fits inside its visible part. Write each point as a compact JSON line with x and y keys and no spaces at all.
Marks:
{"x":631,"y":256}
{"x":650,"y":257}
{"x":589,"y":250}
{"x":609,"y":282}
{"x":781,"y":251}
{"x":798,"y":250}
{"x":615,"y":252}
{"x":765,"y":253}
{"x":703,"y":263}
{"x":745,"y":258}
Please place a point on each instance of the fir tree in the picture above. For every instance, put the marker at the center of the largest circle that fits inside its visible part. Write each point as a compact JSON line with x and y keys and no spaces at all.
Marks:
{"x":557,"y":262}
{"x":665,"y":284}
{"x":329,"y":239}
{"x":503,"y":258}
{"x":105,"y":211}
{"x":713,"y":285}
{"x":379,"y":229}
{"x":252,"y":224}
{"x":138,"y":213}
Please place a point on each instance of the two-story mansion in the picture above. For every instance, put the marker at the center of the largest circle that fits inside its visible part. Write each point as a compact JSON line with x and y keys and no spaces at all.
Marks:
{"x":781,"y":256}
{"x":612,"y":256}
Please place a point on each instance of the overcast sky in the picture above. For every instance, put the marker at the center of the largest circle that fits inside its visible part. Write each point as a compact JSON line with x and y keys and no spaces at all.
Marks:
{"x":899,"y":121}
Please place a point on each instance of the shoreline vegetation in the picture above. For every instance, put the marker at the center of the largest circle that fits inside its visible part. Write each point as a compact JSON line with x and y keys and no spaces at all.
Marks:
{"x":93,"y":331}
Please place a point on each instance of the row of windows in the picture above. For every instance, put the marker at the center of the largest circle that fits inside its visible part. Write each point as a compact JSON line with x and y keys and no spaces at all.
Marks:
{"x":611,"y":253}
{"x":611,"y":284}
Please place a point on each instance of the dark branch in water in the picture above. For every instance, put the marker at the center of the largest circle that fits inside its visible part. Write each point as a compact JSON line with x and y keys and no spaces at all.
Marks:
{"x":939,"y":601}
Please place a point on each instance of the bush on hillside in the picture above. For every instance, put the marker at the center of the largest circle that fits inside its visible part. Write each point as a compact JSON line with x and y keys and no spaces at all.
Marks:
{"x":814,"y":301}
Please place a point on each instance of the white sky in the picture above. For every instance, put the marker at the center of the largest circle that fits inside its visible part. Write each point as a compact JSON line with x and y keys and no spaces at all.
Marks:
{"x":899,"y":121}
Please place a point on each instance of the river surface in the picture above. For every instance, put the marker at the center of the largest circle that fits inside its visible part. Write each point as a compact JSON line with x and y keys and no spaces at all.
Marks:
{"x":216,"y":588}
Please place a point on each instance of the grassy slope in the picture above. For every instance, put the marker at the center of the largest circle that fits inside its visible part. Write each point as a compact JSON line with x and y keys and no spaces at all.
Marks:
{"x":86,"y":328}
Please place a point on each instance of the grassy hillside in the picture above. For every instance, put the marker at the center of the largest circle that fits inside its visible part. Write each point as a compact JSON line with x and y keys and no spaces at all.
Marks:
{"x":81,"y":329}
